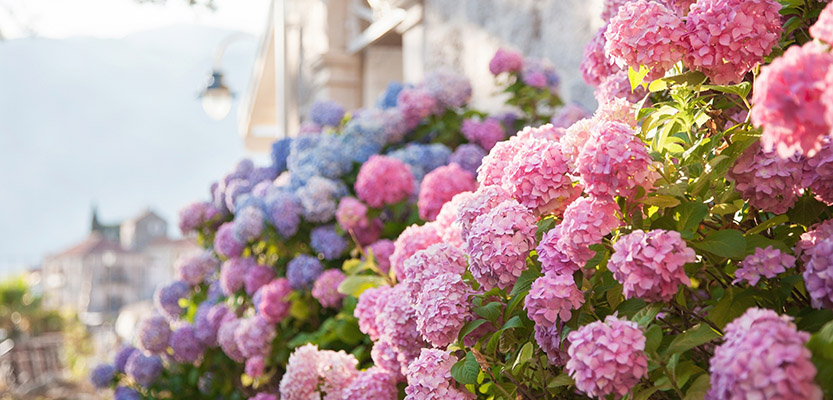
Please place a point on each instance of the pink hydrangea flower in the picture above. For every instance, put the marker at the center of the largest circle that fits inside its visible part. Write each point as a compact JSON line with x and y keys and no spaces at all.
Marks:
{"x":505,"y":61}
{"x":416,"y":104}
{"x":814,"y":234}
{"x":413,"y":239}
{"x":311,"y":371}
{"x":618,"y":110}
{"x":549,"y":339}
{"x":611,"y":7}
{"x":786,"y":99}
{"x":618,"y":86}
{"x":256,"y":277}
{"x":429,"y":378}
{"x":233,"y":272}
{"x":439,"y":186}
{"x":274,"y":305}
{"x":254,"y":336}
{"x":337,"y":371}
{"x":681,"y":7}
{"x":727,"y":38}
{"x":436,"y":259}
{"x":491,"y":168}
{"x":596,"y":65}
{"x":226,"y":339}
{"x":768,"y":262}
{"x":827,"y":98}
{"x":767,"y":181}
{"x":367,"y":308}
{"x":447,"y":226}
{"x":442,"y":308}
{"x":566,"y":116}
{"x":374,"y":383}
{"x":325,"y":288}
{"x":586,"y":221}
{"x":384,"y":180}
{"x":483,"y":133}
{"x":818,"y":173}
{"x":551,"y":254}
{"x":384,"y":356}
{"x":351,"y":213}
{"x":823,"y":28}
{"x":194,"y":215}
{"x":645,"y":33}
{"x":499,"y":243}
{"x":397,"y":323}
{"x":538,"y":178}
{"x":382,"y":250}
{"x":574,"y":139}
{"x":614,"y":161}
{"x":763,"y":356}
{"x":255,"y":366}
{"x":650,"y":264}
{"x":543,"y":132}
{"x":818,"y":273}
{"x":553,"y":296}
{"x":607,"y":357}
{"x":480,"y":202}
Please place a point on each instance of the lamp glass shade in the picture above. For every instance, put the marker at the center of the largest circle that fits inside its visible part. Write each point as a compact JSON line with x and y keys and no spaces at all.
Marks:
{"x":216,"y":102}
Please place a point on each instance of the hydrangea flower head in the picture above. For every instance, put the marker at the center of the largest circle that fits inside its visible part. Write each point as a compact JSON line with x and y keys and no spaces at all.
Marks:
{"x":763,"y":356}
{"x":429,"y":378}
{"x":257,"y":276}
{"x":224,"y":242}
{"x":607,"y":357}
{"x":319,"y":198}
{"x":538,"y":178}
{"x":248,"y":224}
{"x":302,"y":271}
{"x":397,"y":323}
{"x":187,"y":348}
{"x":442,"y":308}
{"x":233,"y":272}
{"x":485,"y":133}
{"x":617,"y":86}
{"x":437,"y":259}
{"x":440,"y":186}
{"x":498,"y":244}
{"x":194,"y":270}
{"x":301,"y":380}
{"x":226,"y":339}
{"x":254,"y":336}
{"x":274,"y":305}
{"x":384,"y":356}
{"x":284,"y":209}
{"x":367,"y":309}
{"x":786,"y":98}
{"x":549,"y":339}
{"x":727,"y":38}
{"x":650,"y":264}
{"x":413,"y":239}
{"x":468,"y":156}
{"x":480,"y":202}
{"x":207,"y":322}
{"x":568,"y":115}
{"x":102,"y":375}
{"x":143,"y":369}
{"x":543,"y":132}
{"x":374,"y":383}
{"x":611,"y":7}
{"x":120,"y":360}
{"x":614,"y":161}
{"x":818,"y":273}
{"x":382,"y":251}
{"x":808,"y":240}
{"x":326,"y":113}
{"x":166,"y":299}
{"x":194,"y":215}
{"x":387,"y":100}
{"x":492,"y":167}
{"x":540,"y":73}
{"x":596,"y":65}
{"x":645,"y":33}
{"x":384,"y":180}
{"x":767,"y":262}
{"x":264,"y":396}
{"x":126,"y":393}
{"x":767,"y":181}
{"x":506,"y":60}
{"x":823,"y":28}
{"x":586,"y":221}
{"x":447,"y":225}
{"x":325,"y":288}
{"x":416,"y":104}
{"x":451,"y":89}
{"x":553,"y":296}
{"x":325,"y":240}
{"x":154,"y":333}
{"x":280,"y":151}
{"x":351,"y":213}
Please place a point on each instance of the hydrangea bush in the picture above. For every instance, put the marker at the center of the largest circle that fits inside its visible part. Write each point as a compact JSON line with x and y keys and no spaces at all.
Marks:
{"x":677,"y":243}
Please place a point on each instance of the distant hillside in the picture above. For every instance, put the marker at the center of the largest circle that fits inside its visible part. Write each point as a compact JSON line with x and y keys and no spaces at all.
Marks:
{"x":111,"y":121}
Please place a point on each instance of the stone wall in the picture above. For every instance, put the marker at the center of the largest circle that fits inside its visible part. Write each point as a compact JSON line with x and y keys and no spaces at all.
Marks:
{"x":464,"y":34}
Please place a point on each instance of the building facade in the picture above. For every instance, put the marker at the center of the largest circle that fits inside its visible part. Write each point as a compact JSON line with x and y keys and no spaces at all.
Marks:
{"x":349,"y":50}
{"x":116,"y":265}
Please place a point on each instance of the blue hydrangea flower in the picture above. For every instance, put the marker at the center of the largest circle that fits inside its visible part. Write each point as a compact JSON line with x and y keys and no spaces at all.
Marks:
{"x":167,"y":298}
{"x":302,"y":271}
{"x":249,"y":200}
{"x":280,"y":151}
{"x":235,"y":188}
{"x":126,"y":393}
{"x":325,"y":240}
{"x":121,"y":357}
{"x":284,"y":211}
{"x":319,"y":155}
{"x":422,"y":158}
{"x":261,"y":174}
{"x":326,"y":113}
{"x":143,"y":369}
{"x":468,"y":156}
{"x":319,"y":198}
{"x":248,"y":224}
{"x":391,"y":94}
{"x":102,"y":375}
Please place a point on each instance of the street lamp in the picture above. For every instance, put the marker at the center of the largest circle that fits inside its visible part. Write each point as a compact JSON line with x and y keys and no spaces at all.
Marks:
{"x":216,"y":98}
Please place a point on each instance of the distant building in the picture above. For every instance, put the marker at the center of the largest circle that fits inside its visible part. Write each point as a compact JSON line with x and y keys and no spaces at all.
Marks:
{"x":349,"y":50}
{"x":114,"y":266}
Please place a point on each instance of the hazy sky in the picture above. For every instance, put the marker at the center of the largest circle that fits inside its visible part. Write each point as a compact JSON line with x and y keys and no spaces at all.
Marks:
{"x":99,"y":106}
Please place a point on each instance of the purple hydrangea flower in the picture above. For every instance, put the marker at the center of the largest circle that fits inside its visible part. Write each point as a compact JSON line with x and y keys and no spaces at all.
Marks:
{"x":225,"y":244}
{"x":284,"y":211}
{"x":254,"y":336}
{"x":207,"y":321}
{"x":767,"y":262}
{"x":187,"y":348}
{"x":167,"y":299}
{"x":143,"y":369}
{"x":196,"y":269}
{"x":302,"y":271}
{"x":325,"y":240}
{"x":102,"y":375}
{"x":126,"y":393}
{"x":319,"y":198}
{"x":154,"y":333}
{"x":325,"y":289}
{"x":468,"y":156}
{"x":280,"y":151}
{"x":248,"y":224}
{"x":121,"y":357}
{"x":256,"y":277}
{"x":326,"y":113}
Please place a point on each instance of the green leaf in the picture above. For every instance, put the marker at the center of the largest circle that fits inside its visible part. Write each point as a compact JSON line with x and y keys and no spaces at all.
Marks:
{"x":352,"y":266}
{"x":490,"y":311}
{"x":698,"y":388}
{"x":470,"y":327}
{"x":355,"y":285}
{"x":630,"y":307}
{"x":806,"y":210}
{"x":732,"y":305}
{"x":523,"y":357}
{"x":661,"y":201}
{"x":726,"y":243}
{"x":777,"y":220}
{"x":646,"y":315}
{"x":688,"y":217}
{"x":466,"y":370}
{"x":691,"y":78}
{"x":637,"y":77}
{"x":645,"y":394}
{"x":514,"y":322}
{"x":560,"y":380}
{"x":524,"y":282}
{"x":741,"y":89}
{"x":696,"y":336}
{"x":653,"y":338}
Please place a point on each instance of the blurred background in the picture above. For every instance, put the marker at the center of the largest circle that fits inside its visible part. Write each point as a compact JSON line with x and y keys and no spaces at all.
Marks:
{"x":116,"y":113}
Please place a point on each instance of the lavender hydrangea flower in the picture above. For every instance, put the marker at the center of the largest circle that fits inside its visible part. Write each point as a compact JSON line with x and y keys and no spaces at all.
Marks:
{"x":818,"y":273}
{"x":254,"y":336}
{"x":232,"y":273}
{"x":325,"y":240}
{"x":187,"y":348}
{"x":451,"y":90}
{"x":302,"y":271}
{"x":540,"y":73}
{"x":767,"y":262}
{"x":154,"y":333}
{"x":102,"y":375}
{"x":325,"y":289}
{"x":234,"y":189}
{"x":143,"y":369}
{"x":195,"y":215}
{"x":326,"y":113}
{"x":121,"y":357}
{"x":422,"y":158}
{"x":280,"y":151}
{"x":505,"y":60}
{"x":468,"y":156}
{"x":207,"y":321}
{"x":484,"y":133}
{"x":248,"y":224}
{"x":224,"y":242}
{"x":319,"y":198}
{"x":256,"y":277}
{"x":126,"y":393}
{"x":374,"y":383}
{"x":196,"y":269}
{"x":226,"y":339}
{"x":167,"y":297}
